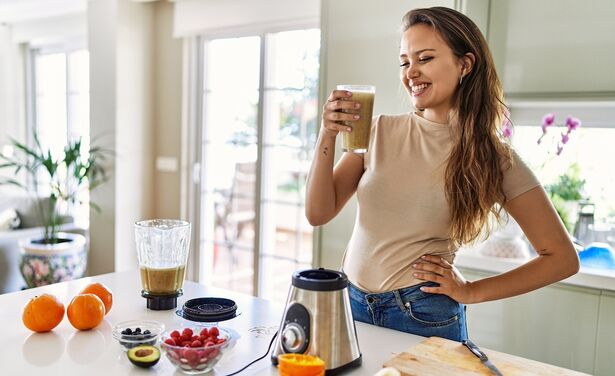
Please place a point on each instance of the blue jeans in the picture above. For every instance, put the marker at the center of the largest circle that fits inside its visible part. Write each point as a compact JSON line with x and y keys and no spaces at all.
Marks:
{"x":411,"y":310}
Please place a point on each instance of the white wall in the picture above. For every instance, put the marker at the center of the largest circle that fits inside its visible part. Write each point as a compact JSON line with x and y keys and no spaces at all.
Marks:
{"x":167,"y":110}
{"x":121,"y":35}
{"x":102,"y":20}
{"x":361,"y":46}
{"x":12,"y":95}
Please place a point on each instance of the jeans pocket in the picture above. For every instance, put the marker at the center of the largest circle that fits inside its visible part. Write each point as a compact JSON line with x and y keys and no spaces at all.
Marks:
{"x":433,"y":310}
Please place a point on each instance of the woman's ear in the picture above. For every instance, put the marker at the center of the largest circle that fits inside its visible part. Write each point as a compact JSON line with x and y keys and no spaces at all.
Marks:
{"x":467,"y":63}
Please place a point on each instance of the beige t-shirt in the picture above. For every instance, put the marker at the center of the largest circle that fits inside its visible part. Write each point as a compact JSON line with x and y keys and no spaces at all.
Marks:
{"x":402,"y":210}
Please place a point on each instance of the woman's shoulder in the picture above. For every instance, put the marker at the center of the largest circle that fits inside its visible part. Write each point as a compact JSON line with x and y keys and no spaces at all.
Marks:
{"x":387,"y":120}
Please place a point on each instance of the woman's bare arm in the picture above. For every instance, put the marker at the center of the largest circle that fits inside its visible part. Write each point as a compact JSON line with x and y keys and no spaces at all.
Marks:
{"x":328,"y":189}
{"x":557,"y":259}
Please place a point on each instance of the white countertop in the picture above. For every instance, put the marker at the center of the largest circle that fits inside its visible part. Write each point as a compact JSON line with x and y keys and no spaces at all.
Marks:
{"x":66,"y":351}
{"x":470,"y":258}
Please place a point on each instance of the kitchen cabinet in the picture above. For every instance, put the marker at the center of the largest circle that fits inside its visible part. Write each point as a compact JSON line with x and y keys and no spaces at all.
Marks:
{"x":605,"y":345}
{"x":556,"y":324}
{"x":553,"y":47}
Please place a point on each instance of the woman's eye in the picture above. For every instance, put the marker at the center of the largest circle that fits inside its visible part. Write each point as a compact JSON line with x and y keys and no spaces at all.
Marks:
{"x":425,"y":59}
{"x":404,"y":64}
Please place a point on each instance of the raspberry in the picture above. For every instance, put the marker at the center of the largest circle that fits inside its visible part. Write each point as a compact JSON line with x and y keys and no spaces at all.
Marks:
{"x":204,"y":332}
{"x":170,"y":341}
{"x":187,"y":332}
{"x":175,"y":334}
{"x":196,"y":343}
{"x":209,"y":344}
{"x":214,"y":332}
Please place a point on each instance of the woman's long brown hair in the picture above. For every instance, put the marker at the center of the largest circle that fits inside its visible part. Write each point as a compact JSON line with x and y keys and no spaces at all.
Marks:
{"x":474,"y":170}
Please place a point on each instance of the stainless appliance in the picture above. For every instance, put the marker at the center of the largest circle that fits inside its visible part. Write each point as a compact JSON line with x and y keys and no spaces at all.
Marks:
{"x":318,"y":321}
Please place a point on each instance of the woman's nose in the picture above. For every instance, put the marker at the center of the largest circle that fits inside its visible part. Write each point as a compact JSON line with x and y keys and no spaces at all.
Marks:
{"x":412,"y":71}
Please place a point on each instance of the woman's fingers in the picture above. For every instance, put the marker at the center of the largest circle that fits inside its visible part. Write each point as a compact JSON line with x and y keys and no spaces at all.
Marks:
{"x":430,"y":267}
{"x":340,"y":111}
{"x":438,"y":260}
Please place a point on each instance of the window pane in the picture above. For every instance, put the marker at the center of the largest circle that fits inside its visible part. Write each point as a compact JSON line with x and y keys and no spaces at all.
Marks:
{"x":290,"y":117}
{"x":286,"y":233}
{"x":233,"y":268}
{"x":230,"y":105}
{"x":231,"y":119}
{"x":590,"y":148}
{"x":293,"y":58}
{"x":286,"y":169}
{"x":79,"y":71}
{"x":232,"y":65}
{"x":277,"y":277}
{"x":50,"y":74}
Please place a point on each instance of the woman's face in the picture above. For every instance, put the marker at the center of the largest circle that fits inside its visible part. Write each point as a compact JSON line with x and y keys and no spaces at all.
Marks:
{"x":430,"y":71}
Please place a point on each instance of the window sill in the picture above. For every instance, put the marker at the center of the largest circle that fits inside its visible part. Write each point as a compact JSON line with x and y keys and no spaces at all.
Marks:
{"x":470,"y":258}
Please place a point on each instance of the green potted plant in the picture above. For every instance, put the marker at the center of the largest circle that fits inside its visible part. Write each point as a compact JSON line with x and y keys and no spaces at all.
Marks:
{"x":57,"y":183}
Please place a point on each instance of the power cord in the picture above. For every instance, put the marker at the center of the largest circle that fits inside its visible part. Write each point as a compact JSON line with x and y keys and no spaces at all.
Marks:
{"x":256,"y":360}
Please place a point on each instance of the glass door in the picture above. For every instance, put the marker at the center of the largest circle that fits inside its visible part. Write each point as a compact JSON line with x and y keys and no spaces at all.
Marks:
{"x":259,"y":128}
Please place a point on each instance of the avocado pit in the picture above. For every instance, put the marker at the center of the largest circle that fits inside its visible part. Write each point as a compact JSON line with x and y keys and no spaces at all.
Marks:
{"x":144,"y":356}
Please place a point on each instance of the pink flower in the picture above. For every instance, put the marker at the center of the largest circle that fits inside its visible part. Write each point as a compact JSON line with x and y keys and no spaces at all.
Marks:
{"x":547,"y":121}
{"x":507,"y":132}
{"x":572,"y":123}
{"x":507,"y":128}
{"x":565,"y":138}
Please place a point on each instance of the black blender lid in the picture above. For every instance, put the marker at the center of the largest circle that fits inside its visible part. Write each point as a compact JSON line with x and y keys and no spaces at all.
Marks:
{"x":208,"y":309}
{"x":320,"y":280}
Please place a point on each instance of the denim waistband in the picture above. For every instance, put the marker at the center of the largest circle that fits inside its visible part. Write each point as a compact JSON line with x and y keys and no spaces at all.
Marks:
{"x":411,"y":293}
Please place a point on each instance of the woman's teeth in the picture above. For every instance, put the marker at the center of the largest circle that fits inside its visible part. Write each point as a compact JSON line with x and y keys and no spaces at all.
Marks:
{"x":419,"y":88}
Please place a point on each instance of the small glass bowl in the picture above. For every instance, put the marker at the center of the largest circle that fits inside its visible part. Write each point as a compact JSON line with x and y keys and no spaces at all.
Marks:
{"x":201,"y":359}
{"x":149,"y":333}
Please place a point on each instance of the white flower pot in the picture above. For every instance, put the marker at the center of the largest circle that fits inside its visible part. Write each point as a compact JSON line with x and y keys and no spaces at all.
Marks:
{"x":43,"y":264}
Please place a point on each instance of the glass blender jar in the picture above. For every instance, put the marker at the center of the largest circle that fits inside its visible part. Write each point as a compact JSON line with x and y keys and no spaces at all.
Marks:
{"x":162,"y":249}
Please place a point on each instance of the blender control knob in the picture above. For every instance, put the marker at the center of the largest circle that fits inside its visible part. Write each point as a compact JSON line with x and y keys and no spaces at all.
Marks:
{"x":293,"y":338}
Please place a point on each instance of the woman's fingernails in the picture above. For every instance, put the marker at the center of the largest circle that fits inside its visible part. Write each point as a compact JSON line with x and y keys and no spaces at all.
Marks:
{"x":348,"y":129}
{"x":357,"y":105}
{"x":355,"y":117}
{"x":416,"y":274}
{"x":349,"y":94}
{"x":415,"y":265}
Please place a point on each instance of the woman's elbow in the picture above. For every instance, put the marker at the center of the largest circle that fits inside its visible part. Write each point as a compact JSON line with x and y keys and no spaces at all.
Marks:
{"x":574,"y":264}
{"x":316,"y":219}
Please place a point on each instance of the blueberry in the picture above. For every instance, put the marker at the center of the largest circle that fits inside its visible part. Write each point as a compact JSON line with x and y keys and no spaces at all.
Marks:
{"x":147,"y":332}
{"x":128,"y":331}
{"x":137,"y":330}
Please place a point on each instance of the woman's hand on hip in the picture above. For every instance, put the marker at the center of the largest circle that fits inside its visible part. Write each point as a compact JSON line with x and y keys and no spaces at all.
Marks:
{"x":338,"y":110}
{"x":438,"y":270}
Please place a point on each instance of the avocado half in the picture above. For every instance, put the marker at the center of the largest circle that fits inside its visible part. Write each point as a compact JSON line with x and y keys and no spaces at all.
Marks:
{"x":144,"y":356}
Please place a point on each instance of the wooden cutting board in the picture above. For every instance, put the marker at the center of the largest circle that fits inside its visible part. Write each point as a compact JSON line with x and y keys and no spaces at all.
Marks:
{"x":438,"y":356}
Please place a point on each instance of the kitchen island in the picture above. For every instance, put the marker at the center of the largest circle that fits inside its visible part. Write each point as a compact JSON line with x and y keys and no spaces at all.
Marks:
{"x":66,"y":351}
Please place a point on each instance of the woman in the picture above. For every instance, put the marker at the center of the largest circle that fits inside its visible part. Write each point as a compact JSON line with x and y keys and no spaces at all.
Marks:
{"x":429,"y":182}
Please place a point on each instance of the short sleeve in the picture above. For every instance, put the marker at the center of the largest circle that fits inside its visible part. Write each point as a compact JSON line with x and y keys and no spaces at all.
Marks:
{"x":372,"y":141}
{"x":518,"y":179}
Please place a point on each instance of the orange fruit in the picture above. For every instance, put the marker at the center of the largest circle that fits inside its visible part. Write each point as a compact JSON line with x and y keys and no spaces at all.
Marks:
{"x":85,"y":311}
{"x":43,"y":313}
{"x":300,"y":365}
{"x":102,"y":292}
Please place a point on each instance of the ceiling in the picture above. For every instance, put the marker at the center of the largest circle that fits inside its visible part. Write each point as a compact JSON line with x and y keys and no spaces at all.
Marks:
{"x":15,"y":11}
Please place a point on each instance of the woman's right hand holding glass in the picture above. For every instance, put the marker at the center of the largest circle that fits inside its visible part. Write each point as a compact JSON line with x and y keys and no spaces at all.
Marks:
{"x":337,"y":111}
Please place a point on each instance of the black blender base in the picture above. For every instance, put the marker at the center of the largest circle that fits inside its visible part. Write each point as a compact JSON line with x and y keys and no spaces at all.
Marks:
{"x":161,"y":302}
